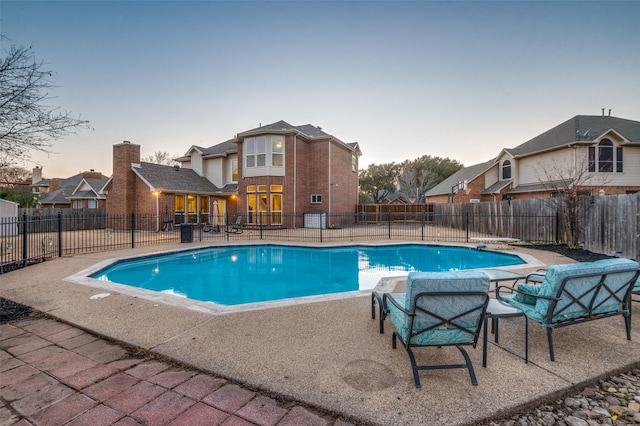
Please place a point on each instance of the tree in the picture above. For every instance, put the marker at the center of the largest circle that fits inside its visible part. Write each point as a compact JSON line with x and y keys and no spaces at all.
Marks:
{"x":20,"y":194}
{"x":420,"y":175}
{"x":161,"y":157}
{"x":569,"y":183}
{"x":14,"y":174}
{"x":379,"y":180}
{"x":27,"y":122}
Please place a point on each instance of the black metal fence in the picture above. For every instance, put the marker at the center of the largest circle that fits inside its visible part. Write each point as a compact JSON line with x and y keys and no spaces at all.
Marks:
{"x":26,"y":240}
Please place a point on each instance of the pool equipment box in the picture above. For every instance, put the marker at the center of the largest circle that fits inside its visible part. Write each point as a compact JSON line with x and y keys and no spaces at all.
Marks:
{"x":315,"y":220}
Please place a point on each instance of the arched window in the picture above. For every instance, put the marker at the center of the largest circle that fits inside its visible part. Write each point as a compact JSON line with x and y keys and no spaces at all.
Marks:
{"x":506,"y":170}
{"x":604,"y":158}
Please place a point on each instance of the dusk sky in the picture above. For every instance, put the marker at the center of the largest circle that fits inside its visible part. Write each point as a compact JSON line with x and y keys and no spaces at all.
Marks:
{"x":461,"y":80}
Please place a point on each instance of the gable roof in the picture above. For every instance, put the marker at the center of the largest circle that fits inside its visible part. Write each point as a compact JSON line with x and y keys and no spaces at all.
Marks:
{"x":222,"y":149}
{"x":308,"y":131}
{"x":467,"y":173}
{"x":583,"y":129}
{"x":282,"y":126}
{"x":172,"y":179}
{"x":70,"y":188}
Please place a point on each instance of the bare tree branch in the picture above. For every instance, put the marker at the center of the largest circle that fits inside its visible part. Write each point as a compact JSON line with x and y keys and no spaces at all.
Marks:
{"x":27,"y":123}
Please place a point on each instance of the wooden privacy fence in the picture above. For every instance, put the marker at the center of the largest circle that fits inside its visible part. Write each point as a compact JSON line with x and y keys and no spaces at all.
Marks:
{"x":610,"y":224}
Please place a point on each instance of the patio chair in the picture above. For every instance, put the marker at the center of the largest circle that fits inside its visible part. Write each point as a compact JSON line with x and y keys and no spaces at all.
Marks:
{"x":438,"y":309}
{"x":235,"y":228}
{"x":575,"y":293}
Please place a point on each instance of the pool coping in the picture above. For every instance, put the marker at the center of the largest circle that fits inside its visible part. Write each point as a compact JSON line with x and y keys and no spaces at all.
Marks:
{"x":385,"y":285}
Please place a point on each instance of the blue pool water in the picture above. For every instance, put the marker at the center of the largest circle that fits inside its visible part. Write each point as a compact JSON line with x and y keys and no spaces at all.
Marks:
{"x":233,"y":275}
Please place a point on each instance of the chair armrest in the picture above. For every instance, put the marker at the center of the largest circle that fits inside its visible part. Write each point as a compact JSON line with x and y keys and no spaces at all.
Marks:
{"x":524,"y":293}
{"x":499,"y":288}
{"x":386,"y":297}
{"x":536,"y":276}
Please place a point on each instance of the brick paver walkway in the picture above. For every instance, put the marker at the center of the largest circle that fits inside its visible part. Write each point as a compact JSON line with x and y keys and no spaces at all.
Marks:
{"x":54,"y":374}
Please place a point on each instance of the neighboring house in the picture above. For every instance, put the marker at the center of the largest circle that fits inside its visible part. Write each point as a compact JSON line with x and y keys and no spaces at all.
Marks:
{"x":81,"y":191}
{"x":396,"y":198}
{"x":602,"y":153}
{"x":261,"y":174}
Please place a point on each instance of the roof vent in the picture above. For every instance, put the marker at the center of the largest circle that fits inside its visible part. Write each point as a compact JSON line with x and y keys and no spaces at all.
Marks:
{"x":176,"y":168}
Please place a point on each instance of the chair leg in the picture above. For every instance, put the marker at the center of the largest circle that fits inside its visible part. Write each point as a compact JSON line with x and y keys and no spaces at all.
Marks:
{"x":472,"y":373}
{"x":627,"y":322}
{"x":526,"y":340}
{"x":377,"y":298}
{"x":549,"y":338}
{"x":414,"y":368}
{"x":484,"y":341}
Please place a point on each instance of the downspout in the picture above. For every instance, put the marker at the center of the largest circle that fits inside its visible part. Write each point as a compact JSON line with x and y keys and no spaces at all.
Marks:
{"x":329,"y":162}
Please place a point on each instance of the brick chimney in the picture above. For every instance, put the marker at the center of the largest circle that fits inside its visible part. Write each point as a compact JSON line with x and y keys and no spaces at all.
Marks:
{"x":122,"y":195}
{"x":92,"y":174}
{"x":54,"y":185}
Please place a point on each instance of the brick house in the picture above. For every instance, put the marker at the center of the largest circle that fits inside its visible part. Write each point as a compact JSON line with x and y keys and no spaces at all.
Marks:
{"x":292,"y":170}
{"x":81,"y":191}
{"x":262,"y":174}
{"x":603,"y":151}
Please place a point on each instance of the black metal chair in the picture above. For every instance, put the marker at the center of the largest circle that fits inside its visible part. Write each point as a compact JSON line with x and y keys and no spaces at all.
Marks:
{"x":438,"y":309}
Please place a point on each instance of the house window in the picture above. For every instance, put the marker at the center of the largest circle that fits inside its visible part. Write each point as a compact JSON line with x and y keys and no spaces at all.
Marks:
{"x":234,"y":170}
{"x":256,"y":203}
{"x":76,"y":204}
{"x":256,"y":151}
{"x":92,"y":204}
{"x":354,"y":163}
{"x":276,"y":204}
{"x":604,"y":158}
{"x":316,"y":199}
{"x":506,"y":170}
{"x":179,"y":208}
{"x":277,"y":152}
{"x":263,"y":156}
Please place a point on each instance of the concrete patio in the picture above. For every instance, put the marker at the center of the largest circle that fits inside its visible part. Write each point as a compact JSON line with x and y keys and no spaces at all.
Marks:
{"x":329,"y":353}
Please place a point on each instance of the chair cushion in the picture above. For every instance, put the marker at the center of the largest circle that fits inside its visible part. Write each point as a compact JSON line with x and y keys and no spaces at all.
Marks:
{"x":530,"y":298}
{"x":566,"y":308}
{"x":445,"y":306}
{"x":554,"y":277}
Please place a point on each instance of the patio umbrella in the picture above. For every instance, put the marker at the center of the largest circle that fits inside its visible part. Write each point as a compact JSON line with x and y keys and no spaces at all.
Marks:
{"x":214,"y":219}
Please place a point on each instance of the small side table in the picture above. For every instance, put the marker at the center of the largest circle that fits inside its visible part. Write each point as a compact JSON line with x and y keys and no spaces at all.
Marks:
{"x":496,"y":310}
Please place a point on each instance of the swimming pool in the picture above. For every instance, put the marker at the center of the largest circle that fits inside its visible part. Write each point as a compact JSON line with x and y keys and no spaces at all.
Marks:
{"x":234,"y":275}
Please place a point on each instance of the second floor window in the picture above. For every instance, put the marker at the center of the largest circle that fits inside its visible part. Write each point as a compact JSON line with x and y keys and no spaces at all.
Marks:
{"x":255,"y":151}
{"x":605,"y":158}
{"x":234,"y":170}
{"x":263,"y":155}
{"x":506,"y":170}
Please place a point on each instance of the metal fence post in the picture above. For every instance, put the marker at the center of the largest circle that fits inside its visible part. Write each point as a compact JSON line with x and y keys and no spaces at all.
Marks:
{"x":557,"y":227}
{"x":467,"y":224}
{"x":24,"y":240}
{"x":389,"y":222}
{"x":422,"y":222}
{"x":226,"y":224}
{"x":59,"y":234}
{"x":133,"y":229}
